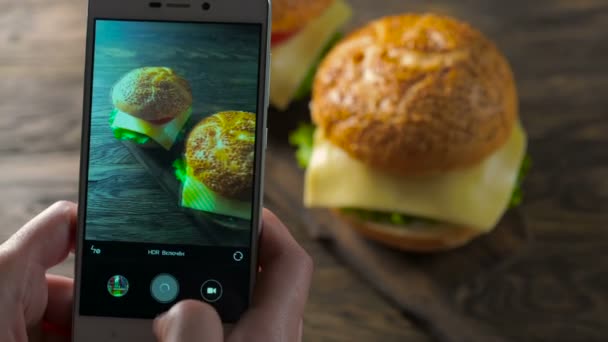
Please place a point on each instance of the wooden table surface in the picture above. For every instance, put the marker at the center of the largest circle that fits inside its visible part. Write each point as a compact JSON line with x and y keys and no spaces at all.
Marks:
{"x":559,"y":55}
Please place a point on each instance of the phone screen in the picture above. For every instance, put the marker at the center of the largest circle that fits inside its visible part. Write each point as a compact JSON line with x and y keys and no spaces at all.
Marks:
{"x":169,"y":195}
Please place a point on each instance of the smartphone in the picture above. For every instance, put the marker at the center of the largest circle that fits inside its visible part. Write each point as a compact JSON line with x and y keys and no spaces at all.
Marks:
{"x":171,"y":179}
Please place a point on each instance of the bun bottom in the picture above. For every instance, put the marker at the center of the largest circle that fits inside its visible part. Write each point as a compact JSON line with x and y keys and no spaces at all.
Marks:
{"x":419,"y":238}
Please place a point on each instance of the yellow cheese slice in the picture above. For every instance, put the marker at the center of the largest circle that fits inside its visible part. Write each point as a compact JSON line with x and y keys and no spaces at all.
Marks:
{"x":292,"y":60}
{"x":476,"y":197}
{"x":164,"y":135}
{"x":195,"y":195}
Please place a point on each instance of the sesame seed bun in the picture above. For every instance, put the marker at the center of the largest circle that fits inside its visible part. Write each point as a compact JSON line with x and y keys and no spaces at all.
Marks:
{"x":416,"y":94}
{"x":292,"y":15}
{"x":152,"y":93}
{"x":420,"y":238}
{"x":220,"y":153}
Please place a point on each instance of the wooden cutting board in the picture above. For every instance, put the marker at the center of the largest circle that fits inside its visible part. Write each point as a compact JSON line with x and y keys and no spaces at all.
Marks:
{"x":498,"y":287}
{"x":158,"y":163}
{"x":425,"y":287}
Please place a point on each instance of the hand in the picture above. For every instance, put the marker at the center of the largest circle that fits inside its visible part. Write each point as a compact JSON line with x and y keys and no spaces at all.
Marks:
{"x":27,"y":295}
{"x":278,"y":302}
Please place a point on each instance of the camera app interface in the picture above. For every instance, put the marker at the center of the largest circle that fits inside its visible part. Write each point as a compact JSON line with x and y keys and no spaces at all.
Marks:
{"x":171,"y":160}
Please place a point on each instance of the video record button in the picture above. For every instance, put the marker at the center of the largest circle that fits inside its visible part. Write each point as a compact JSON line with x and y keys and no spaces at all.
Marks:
{"x":211,"y":290}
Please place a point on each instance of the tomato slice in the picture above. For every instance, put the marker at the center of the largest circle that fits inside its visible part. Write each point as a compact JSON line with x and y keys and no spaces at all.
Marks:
{"x":278,"y":38}
{"x":161,"y":121}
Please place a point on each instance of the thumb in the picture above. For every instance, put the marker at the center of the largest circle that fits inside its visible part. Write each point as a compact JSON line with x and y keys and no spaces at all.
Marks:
{"x":47,"y":238}
{"x":189,"y":320}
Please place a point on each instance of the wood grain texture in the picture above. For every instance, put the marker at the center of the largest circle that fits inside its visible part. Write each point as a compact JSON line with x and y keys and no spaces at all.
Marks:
{"x":536,"y":279}
{"x":431,"y":280}
{"x":555,"y":288}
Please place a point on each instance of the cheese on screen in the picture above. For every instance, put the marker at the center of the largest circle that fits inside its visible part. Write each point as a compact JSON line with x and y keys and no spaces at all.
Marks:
{"x":292,"y":60}
{"x":476,"y":197}
{"x":195,"y":195}
{"x":164,"y":135}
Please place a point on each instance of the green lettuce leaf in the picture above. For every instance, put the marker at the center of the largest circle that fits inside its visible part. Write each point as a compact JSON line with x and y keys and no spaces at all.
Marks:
{"x":125,"y":134}
{"x":397,"y":219}
{"x":302,"y":139}
{"x":518,"y":195}
{"x":181,"y":172}
{"x":306,"y":85}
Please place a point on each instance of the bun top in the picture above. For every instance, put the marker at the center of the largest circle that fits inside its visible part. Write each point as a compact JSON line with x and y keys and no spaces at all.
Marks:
{"x":291,"y":15}
{"x":152,"y":93}
{"x":220,"y":153}
{"x":415,"y":94}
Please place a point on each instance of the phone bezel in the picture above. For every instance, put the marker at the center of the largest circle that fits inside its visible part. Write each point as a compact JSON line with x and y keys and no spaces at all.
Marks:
{"x":93,"y":328}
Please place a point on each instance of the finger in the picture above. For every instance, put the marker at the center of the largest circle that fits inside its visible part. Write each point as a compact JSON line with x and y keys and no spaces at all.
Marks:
{"x":47,"y":238}
{"x":189,"y":320}
{"x":282,"y":287}
{"x":59,"y":304}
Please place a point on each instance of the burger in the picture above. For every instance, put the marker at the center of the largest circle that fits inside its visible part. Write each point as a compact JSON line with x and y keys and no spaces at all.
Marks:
{"x":417,"y":144}
{"x":216,"y":170}
{"x":302,"y":33}
{"x":151,"y":107}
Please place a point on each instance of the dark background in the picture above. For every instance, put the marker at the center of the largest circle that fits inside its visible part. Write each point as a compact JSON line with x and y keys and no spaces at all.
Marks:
{"x":554,"y":287}
{"x":125,"y":202}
